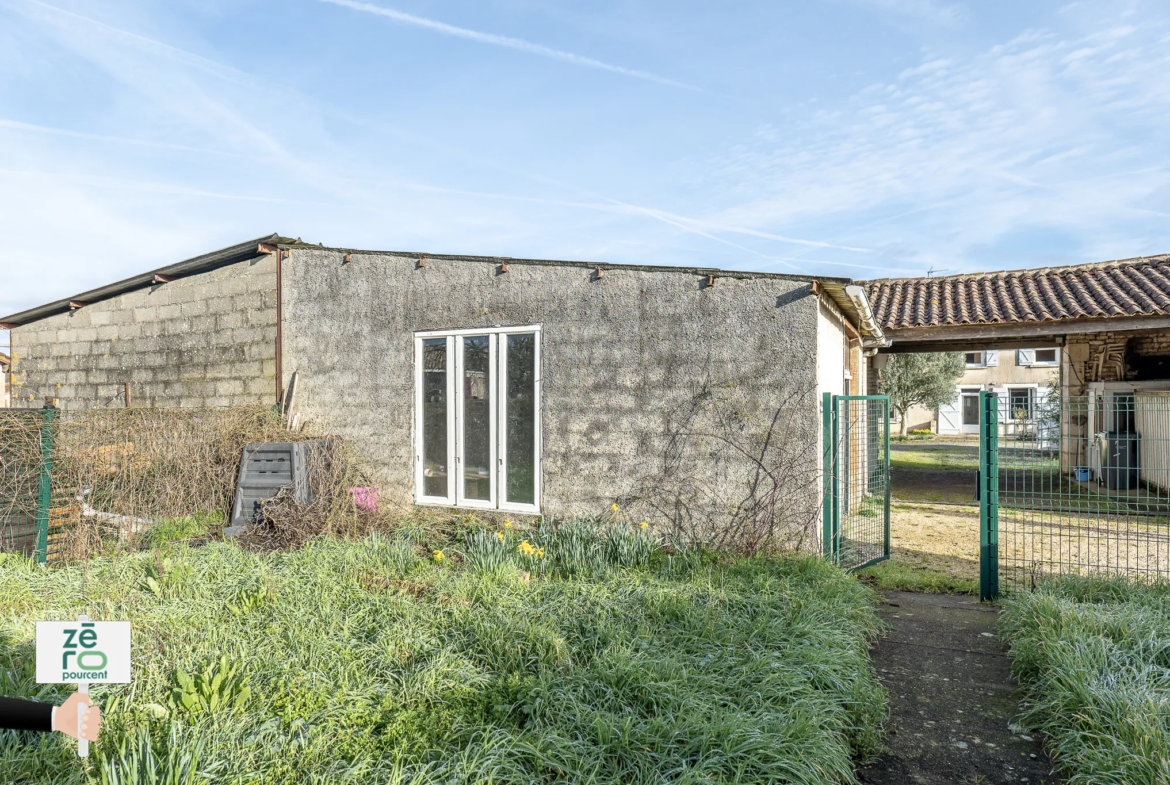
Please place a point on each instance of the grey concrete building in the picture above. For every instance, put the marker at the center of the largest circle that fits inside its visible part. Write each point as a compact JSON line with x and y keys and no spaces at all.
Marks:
{"x":519,"y":385}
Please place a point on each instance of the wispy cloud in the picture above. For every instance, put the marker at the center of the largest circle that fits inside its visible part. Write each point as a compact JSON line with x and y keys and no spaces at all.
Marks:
{"x":1048,"y":136}
{"x":124,"y":140}
{"x":519,"y":44}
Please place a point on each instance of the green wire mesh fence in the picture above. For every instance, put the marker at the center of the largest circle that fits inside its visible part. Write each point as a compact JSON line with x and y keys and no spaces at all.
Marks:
{"x":857,"y":479}
{"x":1074,"y":486}
{"x":72,"y":483}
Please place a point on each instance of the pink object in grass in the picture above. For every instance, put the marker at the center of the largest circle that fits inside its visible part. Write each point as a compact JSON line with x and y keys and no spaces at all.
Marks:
{"x":365,"y":498}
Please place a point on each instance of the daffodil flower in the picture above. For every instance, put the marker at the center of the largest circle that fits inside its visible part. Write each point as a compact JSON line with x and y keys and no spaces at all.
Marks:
{"x":614,"y":507}
{"x":644,"y":525}
{"x":439,"y":556}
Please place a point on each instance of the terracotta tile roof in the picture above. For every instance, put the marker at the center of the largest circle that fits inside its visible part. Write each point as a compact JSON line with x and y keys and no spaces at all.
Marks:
{"x":1127,"y":287}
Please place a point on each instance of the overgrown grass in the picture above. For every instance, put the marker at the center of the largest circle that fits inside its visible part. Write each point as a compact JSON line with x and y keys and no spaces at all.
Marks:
{"x":606,"y":658}
{"x":1094,"y":655}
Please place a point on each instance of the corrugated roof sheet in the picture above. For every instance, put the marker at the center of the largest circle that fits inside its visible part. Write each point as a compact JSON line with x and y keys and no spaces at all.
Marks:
{"x":1126,"y":287}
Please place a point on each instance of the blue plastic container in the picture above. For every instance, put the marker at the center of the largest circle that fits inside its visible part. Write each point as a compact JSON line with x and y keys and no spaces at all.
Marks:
{"x":1082,"y":474}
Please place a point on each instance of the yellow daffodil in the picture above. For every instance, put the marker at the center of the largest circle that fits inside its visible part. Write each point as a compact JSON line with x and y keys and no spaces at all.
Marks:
{"x":614,"y":507}
{"x":500,"y":536}
{"x":644,"y":525}
{"x":507,"y":524}
{"x":540,"y":553}
{"x":439,"y":556}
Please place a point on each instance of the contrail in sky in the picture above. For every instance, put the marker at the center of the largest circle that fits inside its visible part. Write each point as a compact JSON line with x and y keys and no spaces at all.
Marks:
{"x":519,"y":44}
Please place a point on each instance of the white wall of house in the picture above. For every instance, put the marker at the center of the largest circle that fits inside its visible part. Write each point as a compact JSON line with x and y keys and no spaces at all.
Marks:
{"x":998,"y":371}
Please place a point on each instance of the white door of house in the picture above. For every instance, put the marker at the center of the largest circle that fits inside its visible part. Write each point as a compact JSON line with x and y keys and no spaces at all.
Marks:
{"x":949,"y":417}
{"x":969,"y":403}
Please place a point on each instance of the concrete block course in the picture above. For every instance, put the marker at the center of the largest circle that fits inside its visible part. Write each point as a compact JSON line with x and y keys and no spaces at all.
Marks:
{"x":165,"y":339}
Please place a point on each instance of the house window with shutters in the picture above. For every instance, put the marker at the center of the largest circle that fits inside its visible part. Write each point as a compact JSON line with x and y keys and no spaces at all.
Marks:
{"x":986,"y":359}
{"x":1037,"y":357}
{"x":477,"y":418}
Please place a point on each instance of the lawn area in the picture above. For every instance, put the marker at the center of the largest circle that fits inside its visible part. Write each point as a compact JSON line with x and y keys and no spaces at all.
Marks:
{"x":599,"y":659}
{"x":934,"y":548}
{"x":1094,"y":656}
{"x":934,"y":472}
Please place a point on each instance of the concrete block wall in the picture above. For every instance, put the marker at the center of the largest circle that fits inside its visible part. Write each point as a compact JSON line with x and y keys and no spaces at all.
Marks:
{"x":620,"y":353}
{"x":205,"y":340}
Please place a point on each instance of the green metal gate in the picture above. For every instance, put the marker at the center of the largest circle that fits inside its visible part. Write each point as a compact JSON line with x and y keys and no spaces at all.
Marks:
{"x":856,"y":508}
{"x":1074,"y":486}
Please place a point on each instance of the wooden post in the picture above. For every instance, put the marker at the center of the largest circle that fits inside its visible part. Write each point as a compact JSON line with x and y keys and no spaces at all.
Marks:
{"x":126,"y":392}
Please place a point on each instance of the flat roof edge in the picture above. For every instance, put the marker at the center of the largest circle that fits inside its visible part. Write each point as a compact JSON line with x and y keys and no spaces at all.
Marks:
{"x":193,"y":266}
{"x":576,"y":263}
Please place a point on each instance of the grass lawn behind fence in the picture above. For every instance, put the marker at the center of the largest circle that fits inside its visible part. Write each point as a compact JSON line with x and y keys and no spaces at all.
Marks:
{"x":1094,"y":656}
{"x":373,"y":661}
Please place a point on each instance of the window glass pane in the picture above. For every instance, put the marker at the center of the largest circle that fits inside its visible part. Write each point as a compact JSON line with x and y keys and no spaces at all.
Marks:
{"x":974,"y":358}
{"x":520,"y":425}
{"x":970,"y":410}
{"x":1020,"y":401}
{"x":434,"y":414}
{"x":477,"y":428}
{"x":1045,"y":355}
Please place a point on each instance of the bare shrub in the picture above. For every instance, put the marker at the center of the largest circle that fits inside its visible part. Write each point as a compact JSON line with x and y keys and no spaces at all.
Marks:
{"x":734,"y":477}
{"x":116,"y":472}
{"x":285,"y":522}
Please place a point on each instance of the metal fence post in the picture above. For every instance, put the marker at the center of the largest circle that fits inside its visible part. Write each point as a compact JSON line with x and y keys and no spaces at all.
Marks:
{"x":827,"y":474}
{"x":988,"y":496}
{"x":48,"y":414}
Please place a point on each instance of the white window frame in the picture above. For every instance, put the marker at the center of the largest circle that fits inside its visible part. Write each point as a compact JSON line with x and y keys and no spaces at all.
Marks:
{"x":497,"y":385}
{"x":981,"y":363}
{"x":1033,"y":399}
{"x":419,"y":465}
{"x":1046,"y":363}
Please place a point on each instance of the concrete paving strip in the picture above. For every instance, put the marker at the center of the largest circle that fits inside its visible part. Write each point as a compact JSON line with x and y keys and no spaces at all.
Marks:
{"x":953,"y":700}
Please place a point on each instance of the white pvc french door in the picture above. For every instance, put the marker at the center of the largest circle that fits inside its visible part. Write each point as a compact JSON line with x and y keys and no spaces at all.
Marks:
{"x":477,"y":418}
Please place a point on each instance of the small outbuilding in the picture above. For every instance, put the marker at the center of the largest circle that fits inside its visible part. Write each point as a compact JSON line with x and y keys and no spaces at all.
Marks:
{"x":519,"y":385}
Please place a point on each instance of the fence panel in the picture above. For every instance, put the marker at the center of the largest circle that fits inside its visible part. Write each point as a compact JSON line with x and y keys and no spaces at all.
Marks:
{"x":23,"y":482}
{"x":857,"y":479}
{"x":1083,"y":486}
{"x":72,"y":483}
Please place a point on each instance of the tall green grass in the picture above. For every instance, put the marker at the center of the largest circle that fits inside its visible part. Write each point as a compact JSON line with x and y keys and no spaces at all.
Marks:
{"x":606,"y":660}
{"x":1094,"y":655}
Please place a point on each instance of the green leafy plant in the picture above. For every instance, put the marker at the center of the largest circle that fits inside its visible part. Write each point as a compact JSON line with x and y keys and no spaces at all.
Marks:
{"x":218,"y":686}
{"x":156,"y":572}
{"x":248,"y":600}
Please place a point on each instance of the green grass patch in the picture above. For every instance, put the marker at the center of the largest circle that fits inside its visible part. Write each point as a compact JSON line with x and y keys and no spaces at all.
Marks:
{"x":173,"y":530}
{"x":1094,"y":655}
{"x":584,"y":658}
{"x":929,"y":575}
{"x":934,"y":457}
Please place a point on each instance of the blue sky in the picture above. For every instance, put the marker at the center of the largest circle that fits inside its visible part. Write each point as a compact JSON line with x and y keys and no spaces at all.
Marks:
{"x":862,"y":138}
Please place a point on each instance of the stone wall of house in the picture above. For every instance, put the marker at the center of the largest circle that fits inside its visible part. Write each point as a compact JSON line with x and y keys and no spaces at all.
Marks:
{"x":1110,"y":356}
{"x":205,"y":340}
{"x":622,"y":354}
